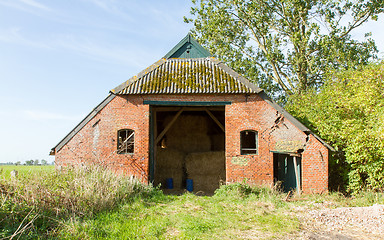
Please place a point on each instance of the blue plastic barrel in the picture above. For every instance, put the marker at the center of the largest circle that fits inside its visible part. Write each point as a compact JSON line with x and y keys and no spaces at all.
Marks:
{"x":169,"y":183}
{"x":189,"y":185}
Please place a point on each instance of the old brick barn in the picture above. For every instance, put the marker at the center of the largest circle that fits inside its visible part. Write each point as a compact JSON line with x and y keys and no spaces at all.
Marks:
{"x":189,"y":118}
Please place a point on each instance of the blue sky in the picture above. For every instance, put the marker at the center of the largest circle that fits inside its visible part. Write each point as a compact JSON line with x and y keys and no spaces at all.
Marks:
{"x":59,"y":59}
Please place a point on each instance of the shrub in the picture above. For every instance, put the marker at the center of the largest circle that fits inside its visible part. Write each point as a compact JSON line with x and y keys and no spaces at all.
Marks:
{"x":348,"y":113}
{"x":244,"y":190}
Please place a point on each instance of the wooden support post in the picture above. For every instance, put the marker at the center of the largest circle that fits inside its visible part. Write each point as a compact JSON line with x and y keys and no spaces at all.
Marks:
{"x":298,"y":187}
{"x":161,"y":135}
{"x":215,"y":119}
{"x":155,"y":145}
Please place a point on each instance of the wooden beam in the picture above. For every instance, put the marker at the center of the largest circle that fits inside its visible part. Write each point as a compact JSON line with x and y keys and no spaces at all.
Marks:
{"x":297,"y":176}
{"x":189,"y":109}
{"x":185,"y":103}
{"x":155,"y":145}
{"x":161,"y":135}
{"x":215,"y":119}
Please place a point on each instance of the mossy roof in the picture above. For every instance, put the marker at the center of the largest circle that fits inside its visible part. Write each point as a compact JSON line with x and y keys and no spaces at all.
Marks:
{"x":187,"y":76}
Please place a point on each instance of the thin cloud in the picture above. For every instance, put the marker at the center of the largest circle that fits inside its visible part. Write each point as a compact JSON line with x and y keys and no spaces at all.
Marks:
{"x":104,"y":53}
{"x":111,"y":7}
{"x":36,"y":4}
{"x":13,"y":35}
{"x":79,"y":45}
{"x":25,"y":5}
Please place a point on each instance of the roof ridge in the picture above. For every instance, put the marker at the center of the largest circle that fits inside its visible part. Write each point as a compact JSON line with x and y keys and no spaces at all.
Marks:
{"x":145,"y":76}
{"x":187,"y":59}
{"x":180,"y":47}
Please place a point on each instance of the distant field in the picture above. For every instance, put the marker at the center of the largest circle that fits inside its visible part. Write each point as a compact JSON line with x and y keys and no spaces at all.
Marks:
{"x":6,"y":169}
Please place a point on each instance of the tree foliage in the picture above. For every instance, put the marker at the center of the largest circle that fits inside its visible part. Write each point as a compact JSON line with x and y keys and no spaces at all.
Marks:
{"x":285,"y":46}
{"x":349,"y":113}
{"x":29,"y":162}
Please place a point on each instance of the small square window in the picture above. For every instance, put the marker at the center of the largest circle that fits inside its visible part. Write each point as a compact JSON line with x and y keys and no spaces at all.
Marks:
{"x":248,"y":142}
{"x":126,"y":141}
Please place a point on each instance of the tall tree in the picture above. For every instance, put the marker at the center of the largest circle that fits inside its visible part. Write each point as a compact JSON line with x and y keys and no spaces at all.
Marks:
{"x":29,"y":162}
{"x":285,"y":46}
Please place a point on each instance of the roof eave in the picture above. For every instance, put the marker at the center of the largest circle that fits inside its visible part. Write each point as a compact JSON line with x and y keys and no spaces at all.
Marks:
{"x":125,"y":84}
{"x":293,"y":120}
{"x":236,"y":75}
{"x":83,"y":122}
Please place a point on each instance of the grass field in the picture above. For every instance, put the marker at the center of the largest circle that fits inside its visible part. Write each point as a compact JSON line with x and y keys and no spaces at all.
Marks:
{"x":22,"y":169}
{"x":230,"y":214}
{"x":94,"y":203}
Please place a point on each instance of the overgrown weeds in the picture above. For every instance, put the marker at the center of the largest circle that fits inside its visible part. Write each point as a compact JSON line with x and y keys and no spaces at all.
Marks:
{"x":38,"y":203}
{"x":95,"y":203}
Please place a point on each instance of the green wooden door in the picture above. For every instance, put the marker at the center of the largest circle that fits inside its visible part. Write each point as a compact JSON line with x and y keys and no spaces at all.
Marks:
{"x":286,"y":171}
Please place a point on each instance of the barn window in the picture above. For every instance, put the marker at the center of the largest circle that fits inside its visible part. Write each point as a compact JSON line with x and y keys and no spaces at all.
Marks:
{"x":248,"y":142}
{"x":126,"y":141}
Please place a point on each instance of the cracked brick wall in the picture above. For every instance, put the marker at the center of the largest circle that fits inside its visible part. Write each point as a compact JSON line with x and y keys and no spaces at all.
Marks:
{"x":97,"y":141}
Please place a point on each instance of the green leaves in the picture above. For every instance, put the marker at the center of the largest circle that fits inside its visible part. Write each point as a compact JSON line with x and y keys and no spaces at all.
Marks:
{"x":348,"y":112}
{"x":285,"y":46}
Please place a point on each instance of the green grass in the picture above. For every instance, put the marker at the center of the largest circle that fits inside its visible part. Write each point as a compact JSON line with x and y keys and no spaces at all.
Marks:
{"x":35,"y":205}
{"x":22,"y":169}
{"x":95,"y":203}
{"x":226,"y":215}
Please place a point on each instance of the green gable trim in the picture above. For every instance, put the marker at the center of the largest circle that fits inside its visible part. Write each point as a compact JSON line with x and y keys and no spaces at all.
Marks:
{"x":188,"y":47}
{"x":184,"y":103}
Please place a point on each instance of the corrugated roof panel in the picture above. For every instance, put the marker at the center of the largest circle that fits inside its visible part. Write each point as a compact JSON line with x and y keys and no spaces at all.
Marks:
{"x":187,"y":76}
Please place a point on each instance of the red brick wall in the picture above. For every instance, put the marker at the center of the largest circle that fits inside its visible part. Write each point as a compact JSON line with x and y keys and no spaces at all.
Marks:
{"x":255,"y":114}
{"x":315,"y":167}
{"x":98,"y":143}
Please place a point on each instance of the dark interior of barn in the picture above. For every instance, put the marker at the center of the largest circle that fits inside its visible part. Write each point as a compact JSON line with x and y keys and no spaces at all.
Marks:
{"x":190,"y":149}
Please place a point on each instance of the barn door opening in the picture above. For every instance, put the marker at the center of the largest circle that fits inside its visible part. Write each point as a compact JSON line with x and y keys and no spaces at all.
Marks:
{"x":188,"y":143}
{"x":287,"y":170}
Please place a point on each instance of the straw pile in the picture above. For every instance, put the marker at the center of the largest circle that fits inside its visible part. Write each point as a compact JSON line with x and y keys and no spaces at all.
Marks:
{"x":205,"y":163}
{"x":169,"y":164}
{"x":206,"y":170}
{"x":206,"y":184}
{"x":188,"y":134}
{"x":190,"y":143}
{"x":169,"y":158}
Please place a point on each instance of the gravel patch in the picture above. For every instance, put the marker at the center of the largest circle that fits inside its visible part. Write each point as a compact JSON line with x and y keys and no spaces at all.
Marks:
{"x":344,"y":223}
{"x":366,"y":219}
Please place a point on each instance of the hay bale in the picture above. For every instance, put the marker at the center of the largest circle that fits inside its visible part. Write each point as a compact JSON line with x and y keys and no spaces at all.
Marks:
{"x":169,"y":158}
{"x":169,"y":164}
{"x":206,"y":163}
{"x":188,"y":133}
{"x":206,"y":184}
{"x":186,"y":124}
{"x":161,"y":176}
{"x":168,"y":172}
{"x":193,"y":142}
